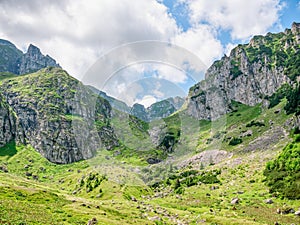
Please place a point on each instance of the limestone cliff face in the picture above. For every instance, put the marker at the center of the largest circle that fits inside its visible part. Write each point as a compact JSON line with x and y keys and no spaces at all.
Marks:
{"x":14,"y":61}
{"x":58,"y":116}
{"x":7,"y":123}
{"x":249,"y":74}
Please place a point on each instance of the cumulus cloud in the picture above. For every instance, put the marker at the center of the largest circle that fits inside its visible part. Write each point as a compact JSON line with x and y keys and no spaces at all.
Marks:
{"x":85,"y":29}
{"x":89,"y":38}
{"x":202,"y":41}
{"x":242,"y":18}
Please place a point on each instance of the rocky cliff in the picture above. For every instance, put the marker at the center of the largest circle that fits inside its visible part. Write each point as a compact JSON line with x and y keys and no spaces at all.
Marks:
{"x":14,"y":61}
{"x":7,"y":123}
{"x":56,"y":114}
{"x":248,"y":75}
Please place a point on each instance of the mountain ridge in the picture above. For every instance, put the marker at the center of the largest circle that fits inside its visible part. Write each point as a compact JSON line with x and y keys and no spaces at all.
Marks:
{"x":15,"y":61}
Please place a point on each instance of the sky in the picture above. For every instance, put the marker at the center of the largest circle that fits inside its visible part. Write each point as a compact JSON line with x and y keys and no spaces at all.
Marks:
{"x":140,"y":51}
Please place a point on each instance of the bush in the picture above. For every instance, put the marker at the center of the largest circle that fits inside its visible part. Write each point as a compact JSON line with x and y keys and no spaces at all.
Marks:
{"x":293,"y":101}
{"x":235,"y":141}
{"x":283,"y":173}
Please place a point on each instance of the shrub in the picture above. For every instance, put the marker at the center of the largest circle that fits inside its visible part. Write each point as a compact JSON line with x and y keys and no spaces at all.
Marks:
{"x":235,"y":141}
{"x":283,"y":173}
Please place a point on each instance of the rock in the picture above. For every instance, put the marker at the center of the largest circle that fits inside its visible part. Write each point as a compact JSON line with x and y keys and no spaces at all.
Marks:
{"x":297,"y":213}
{"x":240,"y":78}
{"x":133,"y":199}
{"x":235,"y":201}
{"x":278,"y":211}
{"x":154,"y":218}
{"x":92,"y":221}
{"x":4,"y":169}
{"x":268,"y":201}
{"x":28,"y":174}
{"x":14,"y":61}
{"x":46,"y":122}
{"x":247,"y":133}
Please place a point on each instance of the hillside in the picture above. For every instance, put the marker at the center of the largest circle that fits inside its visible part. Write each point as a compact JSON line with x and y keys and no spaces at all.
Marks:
{"x":230,"y":155}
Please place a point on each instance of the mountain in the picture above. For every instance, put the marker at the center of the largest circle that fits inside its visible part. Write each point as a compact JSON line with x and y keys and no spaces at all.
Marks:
{"x":56,"y":114}
{"x":157,"y":110}
{"x":251,"y":73}
{"x":230,"y":155}
{"x":14,"y":61}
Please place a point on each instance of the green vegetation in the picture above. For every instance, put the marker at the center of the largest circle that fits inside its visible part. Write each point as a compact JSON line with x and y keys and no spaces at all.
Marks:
{"x":293,"y":101}
{"x":283,"y":173}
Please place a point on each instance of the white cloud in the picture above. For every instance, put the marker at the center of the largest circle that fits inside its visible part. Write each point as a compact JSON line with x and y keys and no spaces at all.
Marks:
{"x":202,"y":41}
{"x":77,"y":32}
{"x":242,"y":18}
{"x":147,"y":100}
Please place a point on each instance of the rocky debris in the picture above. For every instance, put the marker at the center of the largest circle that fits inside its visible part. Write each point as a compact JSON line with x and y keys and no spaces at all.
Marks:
{"x":240,"y":78}
{"x":247,"y":133}
{"x":207,"y":157}
{"x":266,"y":140}
{"x":14,"y":61}
{"x":154,"y":218}
{"x":4,"y":169}
{"x":92,"y":221}
{"x":269,"y":201}
{"x":235,"y":201}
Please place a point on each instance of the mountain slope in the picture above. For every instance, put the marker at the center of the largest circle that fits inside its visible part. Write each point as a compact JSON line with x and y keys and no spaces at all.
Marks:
{"x":58,"y":115}
{"x":248,"y":75}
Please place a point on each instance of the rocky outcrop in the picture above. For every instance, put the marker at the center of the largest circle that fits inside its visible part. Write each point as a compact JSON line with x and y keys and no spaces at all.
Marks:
{"x":10,"y":57}
{"x":59,"y":116}
{"x":33,"y":60}
{"x":7,"y":123}
{"x":248,"y":75}
{"x":14,"y":61}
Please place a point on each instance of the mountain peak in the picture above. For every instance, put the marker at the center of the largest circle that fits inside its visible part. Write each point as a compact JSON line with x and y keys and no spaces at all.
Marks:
{"x":15,"y":61}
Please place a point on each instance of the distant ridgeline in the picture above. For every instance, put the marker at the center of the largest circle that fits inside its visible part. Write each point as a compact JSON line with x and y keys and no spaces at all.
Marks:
{"x":14,"y":61}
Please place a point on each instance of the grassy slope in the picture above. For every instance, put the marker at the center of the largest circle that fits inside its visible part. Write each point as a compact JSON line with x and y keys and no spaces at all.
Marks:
{"x":57,"y":197}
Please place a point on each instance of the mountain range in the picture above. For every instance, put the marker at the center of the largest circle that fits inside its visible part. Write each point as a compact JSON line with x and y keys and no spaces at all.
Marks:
{"x":227,"y":154}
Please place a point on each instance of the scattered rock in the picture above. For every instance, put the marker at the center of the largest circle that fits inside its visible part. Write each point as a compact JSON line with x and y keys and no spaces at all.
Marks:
{"x":269,"y":201}
{"x":133,"y":199}
{"x":28,"y":174}
{"x":92,"y":221}
{"x":214,"y":188}
{"x":235,"y":201}
{"x":247,"y":133}
{"x":4,"y":169}
{"x":154,"y":218}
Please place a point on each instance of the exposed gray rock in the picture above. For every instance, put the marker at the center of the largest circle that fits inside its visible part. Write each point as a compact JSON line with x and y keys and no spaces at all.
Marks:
{"x":235,"y":201}
{"x":64,"y":126}
{"x":206,"y":157}
{"x":7,"y":123}
{"x":33,"y":60}
{"x":269,"y":201}
{"x":238,"y":77}
{"x":14,"y":61}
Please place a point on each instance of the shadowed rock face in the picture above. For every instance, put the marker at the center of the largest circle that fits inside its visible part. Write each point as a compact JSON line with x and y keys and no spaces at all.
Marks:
{"x":57,"y":115}
{"x":249,"y":74}
{"x":14,"y":61}
{"x":7,"y":123}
